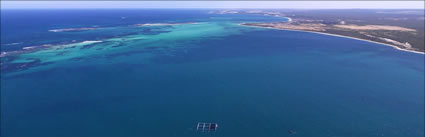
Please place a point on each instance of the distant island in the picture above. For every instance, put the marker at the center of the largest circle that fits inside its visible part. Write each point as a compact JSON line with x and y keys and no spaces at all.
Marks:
{"x":400,"y":29}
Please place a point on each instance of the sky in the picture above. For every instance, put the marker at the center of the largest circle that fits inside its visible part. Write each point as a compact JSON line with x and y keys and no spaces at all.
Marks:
{"x":214,"y":4}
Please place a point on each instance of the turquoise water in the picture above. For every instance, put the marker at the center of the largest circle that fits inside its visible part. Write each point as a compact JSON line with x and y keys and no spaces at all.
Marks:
{"x":159,"y":81}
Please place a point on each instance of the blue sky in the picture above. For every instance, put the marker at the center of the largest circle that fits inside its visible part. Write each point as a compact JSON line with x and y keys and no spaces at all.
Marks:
{"x":215,"y":4}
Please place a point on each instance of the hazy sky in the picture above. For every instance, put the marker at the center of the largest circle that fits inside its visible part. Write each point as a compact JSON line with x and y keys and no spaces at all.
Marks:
{"x":216,"y":4}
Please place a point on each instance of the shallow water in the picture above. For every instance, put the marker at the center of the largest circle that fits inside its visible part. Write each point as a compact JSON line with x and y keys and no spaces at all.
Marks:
{"x":251,"y":81}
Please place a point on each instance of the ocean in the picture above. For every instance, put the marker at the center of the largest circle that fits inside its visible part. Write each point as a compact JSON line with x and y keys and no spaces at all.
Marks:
{"x":157,"y":73}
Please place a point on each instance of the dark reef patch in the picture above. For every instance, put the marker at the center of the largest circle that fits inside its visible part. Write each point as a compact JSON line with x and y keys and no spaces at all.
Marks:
{"x":118,"y":45}
{"x":152,"y":47}
{"x":126,"y":53}
{"x":13,"y":67}
{"x":61,"y":53}
{"x":153,"y":32}
{"x":90,"y":45}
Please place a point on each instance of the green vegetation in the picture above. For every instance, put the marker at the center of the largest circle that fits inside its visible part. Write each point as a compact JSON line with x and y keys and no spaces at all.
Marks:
{"x":413,"y":19}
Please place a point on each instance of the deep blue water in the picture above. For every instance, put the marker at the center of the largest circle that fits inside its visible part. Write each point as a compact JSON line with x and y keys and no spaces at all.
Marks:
{"x":256,"y":83}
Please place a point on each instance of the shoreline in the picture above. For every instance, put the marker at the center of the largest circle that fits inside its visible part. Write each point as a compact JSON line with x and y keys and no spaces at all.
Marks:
{"x":336,"y":35}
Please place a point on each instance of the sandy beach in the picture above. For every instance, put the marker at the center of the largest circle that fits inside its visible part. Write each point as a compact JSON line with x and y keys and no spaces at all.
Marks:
{"x":323,"y":33}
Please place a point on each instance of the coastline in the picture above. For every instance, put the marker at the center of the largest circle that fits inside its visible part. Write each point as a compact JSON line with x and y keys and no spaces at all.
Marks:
{"x":336,"y":35}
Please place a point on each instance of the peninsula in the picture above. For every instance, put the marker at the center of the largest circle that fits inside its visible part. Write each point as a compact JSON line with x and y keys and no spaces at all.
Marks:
{"x":400,"y":29}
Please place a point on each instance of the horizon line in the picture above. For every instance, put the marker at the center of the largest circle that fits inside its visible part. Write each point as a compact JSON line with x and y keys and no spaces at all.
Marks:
{"x":239,"y":8}
{"x":212,"y":4}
